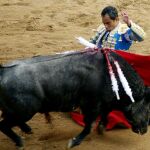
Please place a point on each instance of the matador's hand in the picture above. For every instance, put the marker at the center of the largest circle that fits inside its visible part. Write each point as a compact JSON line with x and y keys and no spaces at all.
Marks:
{"x":126,"y":19}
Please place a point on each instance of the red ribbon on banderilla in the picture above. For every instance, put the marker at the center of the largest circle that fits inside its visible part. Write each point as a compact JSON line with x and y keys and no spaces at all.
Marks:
{"x":122,"y":78}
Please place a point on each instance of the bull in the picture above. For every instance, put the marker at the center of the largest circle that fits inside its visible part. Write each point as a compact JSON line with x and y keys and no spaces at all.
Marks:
{"x":63,"y":82}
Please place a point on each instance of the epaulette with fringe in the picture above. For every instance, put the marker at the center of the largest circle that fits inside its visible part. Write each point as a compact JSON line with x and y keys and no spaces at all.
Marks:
{"x":123,"y":28}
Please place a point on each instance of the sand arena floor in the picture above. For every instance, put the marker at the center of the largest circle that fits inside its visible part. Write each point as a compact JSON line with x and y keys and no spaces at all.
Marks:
{"x":43,"y":27}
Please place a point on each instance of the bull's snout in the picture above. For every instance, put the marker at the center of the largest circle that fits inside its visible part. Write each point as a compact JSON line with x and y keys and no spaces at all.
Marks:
{"x":140,"y":131}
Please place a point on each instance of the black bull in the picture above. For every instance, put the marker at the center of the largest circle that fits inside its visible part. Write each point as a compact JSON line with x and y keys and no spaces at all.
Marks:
{"x":64,"y":82}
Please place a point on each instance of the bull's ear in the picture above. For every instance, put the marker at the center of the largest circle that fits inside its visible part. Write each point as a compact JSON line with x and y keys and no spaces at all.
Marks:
{"x":147,"y":94}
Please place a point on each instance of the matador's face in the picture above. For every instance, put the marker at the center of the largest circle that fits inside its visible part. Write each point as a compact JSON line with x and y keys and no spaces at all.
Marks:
{"x":109,"y":23}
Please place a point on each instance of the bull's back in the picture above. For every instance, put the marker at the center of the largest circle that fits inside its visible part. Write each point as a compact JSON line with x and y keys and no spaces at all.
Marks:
{"x":53,"y":83}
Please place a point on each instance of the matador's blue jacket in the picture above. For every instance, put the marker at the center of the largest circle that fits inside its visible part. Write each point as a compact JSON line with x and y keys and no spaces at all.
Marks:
{"x":120,"y":38}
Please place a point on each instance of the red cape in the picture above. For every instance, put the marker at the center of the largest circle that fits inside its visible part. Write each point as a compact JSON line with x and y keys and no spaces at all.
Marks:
{"x":141,"y":64}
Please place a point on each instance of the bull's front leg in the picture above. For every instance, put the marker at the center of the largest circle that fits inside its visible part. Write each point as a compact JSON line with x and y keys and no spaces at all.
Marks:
{"x":88,"y":120}
{"x":103,"y":122}
{"x":101,"y":127}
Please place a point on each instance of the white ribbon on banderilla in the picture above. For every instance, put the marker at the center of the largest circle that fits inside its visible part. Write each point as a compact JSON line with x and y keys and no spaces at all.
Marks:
{"x":122,"y":78}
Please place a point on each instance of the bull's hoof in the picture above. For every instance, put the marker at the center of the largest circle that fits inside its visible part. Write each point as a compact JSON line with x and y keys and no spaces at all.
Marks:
{"x":26,"y":129}
{"x":100,"y":129}
{"x":20,"y":143}
{"x":20,"y":148}
{"x":29,"y":132}
{"x":73,"y":142}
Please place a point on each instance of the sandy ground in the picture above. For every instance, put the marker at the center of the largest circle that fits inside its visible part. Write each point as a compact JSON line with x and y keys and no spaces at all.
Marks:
{"x":42,"y":27}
